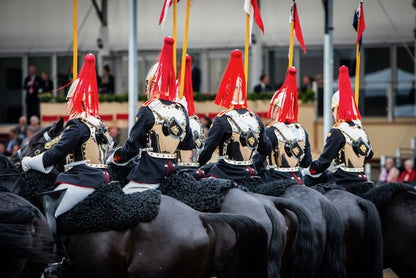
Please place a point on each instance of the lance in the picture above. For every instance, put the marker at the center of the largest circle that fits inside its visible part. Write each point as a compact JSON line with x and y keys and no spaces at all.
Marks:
{"x":174,"y":32}
{"x":252,"y":11}
{"x":184,"y":47}
{"x":295,"y":29}
{"x":359,"y":23}
{"x":74,"y":39}
{"x":292,"y":35}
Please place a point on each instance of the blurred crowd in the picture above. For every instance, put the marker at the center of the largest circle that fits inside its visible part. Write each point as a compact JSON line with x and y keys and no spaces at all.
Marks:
{"x":391,"y":173}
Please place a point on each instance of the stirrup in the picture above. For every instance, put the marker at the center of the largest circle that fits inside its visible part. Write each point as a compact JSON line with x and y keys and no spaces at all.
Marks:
{"x":54,"y":270}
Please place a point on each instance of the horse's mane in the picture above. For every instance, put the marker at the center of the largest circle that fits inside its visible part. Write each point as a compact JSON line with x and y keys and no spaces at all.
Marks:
{"x":38,"y":134}
{"x":5,"y":164}
{"x":35,"y":183}
{"x":15,"y":236}
{"x":382,"y":194}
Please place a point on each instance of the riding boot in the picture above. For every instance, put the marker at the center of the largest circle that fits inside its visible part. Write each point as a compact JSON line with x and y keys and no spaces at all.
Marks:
{"x":50,"y":201}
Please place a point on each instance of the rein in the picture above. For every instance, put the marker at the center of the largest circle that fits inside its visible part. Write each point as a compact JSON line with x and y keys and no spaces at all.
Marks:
{"x":18,"y":180}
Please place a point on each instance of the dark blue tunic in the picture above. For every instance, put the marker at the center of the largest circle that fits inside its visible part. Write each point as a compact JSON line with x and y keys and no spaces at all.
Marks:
{"x":260,"y":160}
{"x":335,"y":141}
{"x":150,"y":169}
{"x":75,"y":134}
{"x":220,"y":132}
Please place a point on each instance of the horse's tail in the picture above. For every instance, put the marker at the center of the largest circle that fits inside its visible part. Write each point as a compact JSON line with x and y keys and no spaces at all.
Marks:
{"x":371,"y":256}
{"x":17,"y":235}
{"x":302,"y":258}
{"x":276,"y":245}
{"x":332,"y":265}
{"x":248,"y":256}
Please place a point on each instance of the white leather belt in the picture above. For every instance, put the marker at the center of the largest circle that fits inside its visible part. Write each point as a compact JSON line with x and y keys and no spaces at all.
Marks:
{"x":162,"y":155}
{"x":353,"y":170}
{"x":236,"y":162}
{"x":284,"y":169}
{"x":84,"y":162}
{"x":189,"y":164}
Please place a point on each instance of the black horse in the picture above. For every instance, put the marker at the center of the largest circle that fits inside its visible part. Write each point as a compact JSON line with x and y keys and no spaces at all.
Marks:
{"x":362,"y":233}
{"x":25,"y":240}
{"x":178,"y":242}
{"x":292,"y":242}
{"x":396,"y":204}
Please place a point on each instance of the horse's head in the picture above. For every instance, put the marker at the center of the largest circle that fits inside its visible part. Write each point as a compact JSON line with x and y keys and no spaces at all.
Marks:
{"x":40,"y":141}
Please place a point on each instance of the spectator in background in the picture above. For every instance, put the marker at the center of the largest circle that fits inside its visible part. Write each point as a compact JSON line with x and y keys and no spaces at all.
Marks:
{"x":206,"y":122}
{"x":409,"y":173}
{"x":47,"y":84}
{"x":29,"y":134}
{"x":15,"y":149}
{"x":34,"y":123}
{"x":115,"y":134}
{"x":32,"y":84}
{"x":307,"y":92}
{"x":320,"y":94}
{"x":2,"y":148}
{"x":385,"y":171}
{"x":306,"y":83}
{"x":106,"y":82}
{"x":196,"y":77}
{"x":13,"y":139}
{"x":394,"y":174}
{"x":21,"y":128}
{"x":264,"y":84}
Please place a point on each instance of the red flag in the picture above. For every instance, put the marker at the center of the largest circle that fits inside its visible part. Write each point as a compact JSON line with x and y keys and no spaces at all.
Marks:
{"x":251,"y":7}
{"x":359,"y":16}
{"x":298,"y":29}
{"x":164,"y":12}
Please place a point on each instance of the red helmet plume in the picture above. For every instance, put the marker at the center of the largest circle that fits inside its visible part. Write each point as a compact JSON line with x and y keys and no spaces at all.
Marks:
{"x":83,"y":95}
{"x":347,"y":108}
{"x":164,"y":79}
{"x":284,"y":104}
{"x":232,"y":89}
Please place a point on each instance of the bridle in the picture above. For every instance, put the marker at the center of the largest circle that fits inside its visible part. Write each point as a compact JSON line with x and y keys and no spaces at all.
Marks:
{"x":49,"y":142}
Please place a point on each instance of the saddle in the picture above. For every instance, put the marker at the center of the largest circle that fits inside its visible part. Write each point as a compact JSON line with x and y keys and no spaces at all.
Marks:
{"x":109,"y":208}
{"x":205,"y":195}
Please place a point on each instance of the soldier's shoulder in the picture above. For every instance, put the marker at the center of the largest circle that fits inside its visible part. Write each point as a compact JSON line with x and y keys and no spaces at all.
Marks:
{"x":147,"y":102}
{"x":223,"y":112}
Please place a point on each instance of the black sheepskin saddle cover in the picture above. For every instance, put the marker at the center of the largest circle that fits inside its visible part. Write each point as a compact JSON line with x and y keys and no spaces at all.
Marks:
{"x":272,"y":188}
{"x":205,"y":195}
{"x":325,"y":187}
{"x":35,"y":183}
{"x":382,"y":194}
{"x":108,"y":208}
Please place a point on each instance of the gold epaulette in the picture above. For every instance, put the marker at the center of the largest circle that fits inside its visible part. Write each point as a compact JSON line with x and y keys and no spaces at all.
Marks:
{"x":272,"y":123}
{"x":222,"y":113}
{"x":148,"y":101}
{"x":337,"y":124}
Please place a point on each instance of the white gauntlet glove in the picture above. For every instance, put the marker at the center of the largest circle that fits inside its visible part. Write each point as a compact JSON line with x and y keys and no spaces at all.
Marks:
{"x":307,"y":172}
{"x":35,"y":163}
{"x":110,"y":160}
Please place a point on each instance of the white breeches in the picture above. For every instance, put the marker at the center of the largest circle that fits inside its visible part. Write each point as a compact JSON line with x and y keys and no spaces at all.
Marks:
{"x":73,"y":195}
{"x":133,"y":187}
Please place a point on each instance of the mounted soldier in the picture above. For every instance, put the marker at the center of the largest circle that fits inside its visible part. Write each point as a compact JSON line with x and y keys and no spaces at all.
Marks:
{"x":84,"y":143}
{"x":289,"y":140}
{"x":161,"y":127}
{"x":188,"y":159}
{"x":237,"y":132}
{"x":347,"y":143}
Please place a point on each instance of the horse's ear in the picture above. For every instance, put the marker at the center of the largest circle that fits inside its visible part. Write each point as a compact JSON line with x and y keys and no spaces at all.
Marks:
{"x":60,"y":124}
